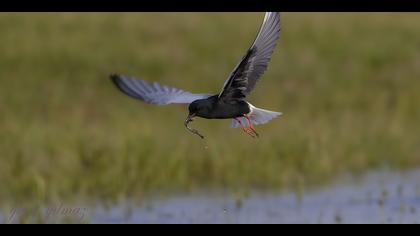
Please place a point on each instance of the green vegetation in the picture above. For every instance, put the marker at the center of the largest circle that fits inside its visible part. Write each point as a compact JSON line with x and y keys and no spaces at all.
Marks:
{"x":348,"y":85}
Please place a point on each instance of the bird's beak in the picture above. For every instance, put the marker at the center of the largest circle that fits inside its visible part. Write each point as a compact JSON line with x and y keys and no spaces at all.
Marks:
{"x":190,"y":117}
{"x":187,"y":121}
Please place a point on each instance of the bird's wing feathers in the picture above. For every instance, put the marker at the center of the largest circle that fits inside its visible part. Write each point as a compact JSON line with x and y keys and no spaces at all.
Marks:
{"x":246,"y":74}
{"x":154,"y":93}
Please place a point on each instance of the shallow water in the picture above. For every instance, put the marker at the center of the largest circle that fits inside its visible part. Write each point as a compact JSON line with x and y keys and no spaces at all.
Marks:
{"x":379,"y":197}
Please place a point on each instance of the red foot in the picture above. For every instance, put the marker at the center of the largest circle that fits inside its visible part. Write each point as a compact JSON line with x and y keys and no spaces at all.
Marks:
{"x":251,"y":126}
{"x":249,"y":130}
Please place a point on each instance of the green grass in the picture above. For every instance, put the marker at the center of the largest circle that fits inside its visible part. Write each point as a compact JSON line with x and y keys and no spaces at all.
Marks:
{"x":348,"y":85}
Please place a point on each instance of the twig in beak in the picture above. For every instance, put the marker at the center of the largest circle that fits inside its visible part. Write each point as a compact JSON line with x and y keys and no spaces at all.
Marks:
{"x":194,"y":131}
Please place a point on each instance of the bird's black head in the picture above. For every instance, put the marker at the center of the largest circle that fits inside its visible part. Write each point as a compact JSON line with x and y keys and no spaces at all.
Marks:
{"x":199,"y":108}
{"x":194,"y":108}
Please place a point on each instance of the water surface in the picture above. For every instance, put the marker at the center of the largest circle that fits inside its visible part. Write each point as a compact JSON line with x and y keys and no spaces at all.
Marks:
{"x":379,"y":197}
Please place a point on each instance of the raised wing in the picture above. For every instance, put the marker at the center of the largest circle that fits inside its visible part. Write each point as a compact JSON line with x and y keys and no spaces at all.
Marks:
{"x":246,"y":74}
{"x":154,"y":93}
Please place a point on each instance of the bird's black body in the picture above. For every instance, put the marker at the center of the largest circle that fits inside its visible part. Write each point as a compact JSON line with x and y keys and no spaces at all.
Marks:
{"x":215,"y":108}
{"x":230,"y":102}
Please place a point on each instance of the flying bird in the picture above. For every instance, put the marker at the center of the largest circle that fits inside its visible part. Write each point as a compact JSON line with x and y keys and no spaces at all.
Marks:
{"x":230,"y":103}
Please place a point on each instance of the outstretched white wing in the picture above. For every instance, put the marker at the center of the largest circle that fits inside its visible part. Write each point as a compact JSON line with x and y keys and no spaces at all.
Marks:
{"x":154,"y":93}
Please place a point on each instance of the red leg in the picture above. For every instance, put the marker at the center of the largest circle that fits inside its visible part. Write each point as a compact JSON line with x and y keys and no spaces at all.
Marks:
{"x":251,"y":126}
{"x":245,"y":129}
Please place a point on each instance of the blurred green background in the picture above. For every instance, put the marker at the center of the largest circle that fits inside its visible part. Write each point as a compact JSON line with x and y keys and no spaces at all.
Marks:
{"x":347,"y":83}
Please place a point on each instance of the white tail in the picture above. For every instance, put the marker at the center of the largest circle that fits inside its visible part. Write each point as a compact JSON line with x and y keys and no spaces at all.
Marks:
{"x":257,"y":116}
